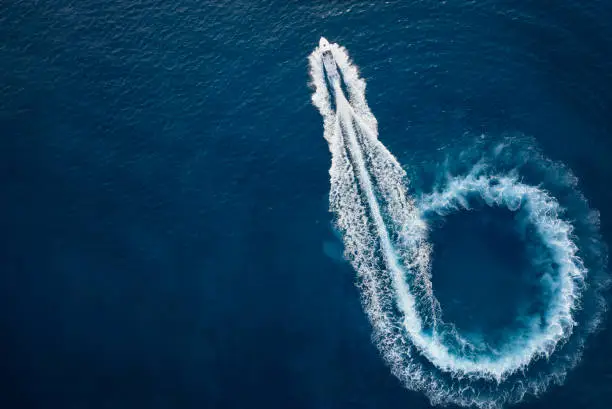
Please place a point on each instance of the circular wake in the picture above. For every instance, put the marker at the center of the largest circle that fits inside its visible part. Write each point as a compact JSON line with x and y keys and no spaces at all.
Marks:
{"x":386,"y":236}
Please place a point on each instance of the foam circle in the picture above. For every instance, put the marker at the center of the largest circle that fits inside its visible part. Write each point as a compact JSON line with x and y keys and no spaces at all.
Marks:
{"x":563,"y":282}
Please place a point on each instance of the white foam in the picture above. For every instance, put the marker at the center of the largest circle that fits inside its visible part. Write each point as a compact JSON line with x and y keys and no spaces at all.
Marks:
{"x":385,"y":237}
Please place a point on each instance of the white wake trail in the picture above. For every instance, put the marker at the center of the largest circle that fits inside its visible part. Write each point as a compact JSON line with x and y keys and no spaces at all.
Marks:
{"x":385,"y":236}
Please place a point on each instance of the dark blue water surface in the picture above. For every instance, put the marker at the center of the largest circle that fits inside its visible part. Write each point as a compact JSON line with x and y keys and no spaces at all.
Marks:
{"x":163,"y":214}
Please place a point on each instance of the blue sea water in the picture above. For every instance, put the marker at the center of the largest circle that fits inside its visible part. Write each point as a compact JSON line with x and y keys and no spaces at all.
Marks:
{"x":166,"y":239}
